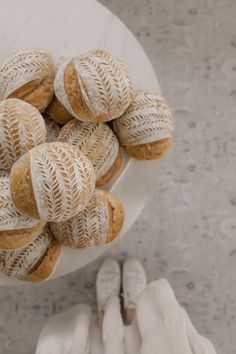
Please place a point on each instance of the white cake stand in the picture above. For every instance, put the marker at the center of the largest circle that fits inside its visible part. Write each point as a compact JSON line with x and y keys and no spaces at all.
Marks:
{"x":72,"y":27}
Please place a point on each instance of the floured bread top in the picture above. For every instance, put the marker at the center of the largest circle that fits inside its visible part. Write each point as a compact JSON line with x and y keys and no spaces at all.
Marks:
{"x":21,"y":128}
{"x":53,"y":130}
{"x":96,"y":141}
{"x":23,"y":67}
{"x":18,"y":263}
{"x":148,"y":119}
{"x":10,"y":218}
{"x":87,"y":229}
{"x":59,"y":87}
{"x":63,"y":180}
{"x":4,"y":173}
{"x":104,"y":82}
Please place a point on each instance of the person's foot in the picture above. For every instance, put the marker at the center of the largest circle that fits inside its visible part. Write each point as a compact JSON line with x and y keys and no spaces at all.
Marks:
{"x":134,"y":281}
{"x":108,"y":282}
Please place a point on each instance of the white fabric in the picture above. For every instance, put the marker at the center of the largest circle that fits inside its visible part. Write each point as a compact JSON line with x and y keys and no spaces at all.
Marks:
{"x":161,"y":326}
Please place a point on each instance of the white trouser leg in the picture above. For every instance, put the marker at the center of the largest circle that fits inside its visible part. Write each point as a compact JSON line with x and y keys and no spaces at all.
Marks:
{"x":113,"y":328}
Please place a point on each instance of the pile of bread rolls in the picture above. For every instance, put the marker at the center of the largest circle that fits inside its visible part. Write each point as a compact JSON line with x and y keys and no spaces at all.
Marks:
{"x":61,"y":136}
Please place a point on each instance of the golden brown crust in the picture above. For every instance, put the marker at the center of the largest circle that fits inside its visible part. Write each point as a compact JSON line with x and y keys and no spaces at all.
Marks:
{"x":12,"y":239}
{"x":74,"y":94}
{"x":113,"y":171}
{"x":47,"y":265}
{"x":149,"y":151}
{"x":58,"y":112}
{"x":21,"y":187}
{"x":37,"y":92}
{"x":116,"y":216}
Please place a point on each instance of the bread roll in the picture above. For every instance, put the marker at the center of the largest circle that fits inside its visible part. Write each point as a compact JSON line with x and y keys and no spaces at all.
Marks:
{"x":52,"y":182}
{"x":98,"y":143}
{"x":146,"y":128}
{"x":21,"y":128}
{"x":94,"y":87}
{"x":4,"y":173}
{"x":35,"y":262}
{"x":16,"y":230}
{"x":52,"y":128}
{"x":99,"y":223}
{"x":28,"y":75}
{"x":58,"y":112}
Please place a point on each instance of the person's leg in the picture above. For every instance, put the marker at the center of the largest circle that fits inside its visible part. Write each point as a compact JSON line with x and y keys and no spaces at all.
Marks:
{"x":134,"y":281}
{"x":164,"y":326}
{"x":108,"y":284}
{"x":113,"y":328}
{"x":67,"y":332}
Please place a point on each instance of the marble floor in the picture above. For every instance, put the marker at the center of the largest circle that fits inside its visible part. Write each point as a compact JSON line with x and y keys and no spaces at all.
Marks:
{"x":187,"y":231}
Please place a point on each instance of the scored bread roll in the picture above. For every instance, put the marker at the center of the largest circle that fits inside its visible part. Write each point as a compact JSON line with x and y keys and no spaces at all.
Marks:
{"x":16,"y":229}
{"x":94,"y":87}
{"x":58,"y":112}
{"x":4,"y":173}
{"x":21,"y":128}
{"x":53,"y":130}
{"x":35,"y":262}
{"x":28,"y":75}
{"x":98,"y":143}
{"x":99,"y":223}
{"x":52,"y":182}
{"x":146,"y":128}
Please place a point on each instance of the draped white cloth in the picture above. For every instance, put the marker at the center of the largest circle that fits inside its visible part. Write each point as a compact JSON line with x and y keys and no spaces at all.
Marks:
{"x":161,"y":326}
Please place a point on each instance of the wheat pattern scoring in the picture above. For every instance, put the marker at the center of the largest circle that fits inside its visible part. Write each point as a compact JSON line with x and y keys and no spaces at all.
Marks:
{"x":87,"y":229}
{"x":96,"y":141}
{"x":10,"y":218}
{"x":105,"y":83}
{"x":19,"y":262}
{"x":21,"y":128}
{"x":23,"y":67}
{"x":148,"y":119}
{"x":63,"y":180}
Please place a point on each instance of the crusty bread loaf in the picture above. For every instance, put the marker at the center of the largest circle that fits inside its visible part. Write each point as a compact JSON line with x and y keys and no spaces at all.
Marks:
{"x":98,"y":143}
{"x":94,"y":87}
{"x":21,"y":128}
{"x":146,"y":128}
{"x":4,"y":173}
{"x":16,"y":229}
{"x":35,"y":262}
{"x":52,"y":128}
{"x":99,"y":223}
{"x":58,"y":112}
{"x":28,"y":75}
{"x":52,"y":182}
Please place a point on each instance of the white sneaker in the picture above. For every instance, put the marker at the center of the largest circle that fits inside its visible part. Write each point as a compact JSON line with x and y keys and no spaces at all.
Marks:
{"x":134,"y":281}
{"x":108,"y":281}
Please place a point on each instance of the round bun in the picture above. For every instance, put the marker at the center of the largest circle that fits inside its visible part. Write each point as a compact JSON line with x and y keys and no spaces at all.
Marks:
{"x":28,"y":75}
{"x":99,"y":223}
{"x":4,"y":173}
{"x":21,"y":127}
{"x":95,"y":87}
{"x":146,"y":128}
{"x":98,"y":143}
{"x":16,"y":230}
{"x":52,"y":182}
{"x":35,"y":262}
{"x":53,"y":130}
{"x":58,"y":112}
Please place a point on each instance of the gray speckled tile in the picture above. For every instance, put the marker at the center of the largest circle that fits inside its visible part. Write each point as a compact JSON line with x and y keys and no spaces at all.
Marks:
{"x":187,"y":232}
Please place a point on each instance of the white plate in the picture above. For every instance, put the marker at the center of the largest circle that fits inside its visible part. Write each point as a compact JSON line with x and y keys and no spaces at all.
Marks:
{"x":72,"y":27}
